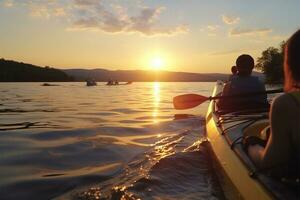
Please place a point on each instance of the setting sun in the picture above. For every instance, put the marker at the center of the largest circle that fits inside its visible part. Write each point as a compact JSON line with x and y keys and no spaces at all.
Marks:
{"x":157,"y":63}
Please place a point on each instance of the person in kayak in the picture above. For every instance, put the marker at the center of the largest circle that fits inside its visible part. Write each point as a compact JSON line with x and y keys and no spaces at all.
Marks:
{"x":282,"y":151}
{"x":234,"y":72}
{"x":243,"y":83}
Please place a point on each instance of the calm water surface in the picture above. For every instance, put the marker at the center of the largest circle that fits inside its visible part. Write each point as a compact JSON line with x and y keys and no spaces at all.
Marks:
{"x":105,"y":142}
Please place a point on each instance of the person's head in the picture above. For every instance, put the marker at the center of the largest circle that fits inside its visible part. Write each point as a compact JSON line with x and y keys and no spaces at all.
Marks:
{"x":292,"y":63}
{"x":234,"y":70}
{"x":245,"y":65}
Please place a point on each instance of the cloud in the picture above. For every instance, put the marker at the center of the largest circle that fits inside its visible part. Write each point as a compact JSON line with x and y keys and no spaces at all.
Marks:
{"x":39,"y":8}
{"x":249,"y":32}
{"x":230,"y":19}
{"x":40,"y":12}
{"x":8,"y":3}
{"x":101,"y":15}
{"x":59,"y":12}
{"x":117,"y":20}
{"x":86,"y":2}
{"x":211,"y":30}
{"x":213,"y":27}
{"x":47,"y":9}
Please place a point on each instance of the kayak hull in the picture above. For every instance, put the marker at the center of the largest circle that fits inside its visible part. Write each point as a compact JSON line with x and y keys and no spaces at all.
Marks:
{"x":233,"y":174}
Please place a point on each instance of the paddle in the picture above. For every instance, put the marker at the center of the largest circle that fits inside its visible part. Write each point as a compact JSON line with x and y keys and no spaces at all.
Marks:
{"x":187,"y":101}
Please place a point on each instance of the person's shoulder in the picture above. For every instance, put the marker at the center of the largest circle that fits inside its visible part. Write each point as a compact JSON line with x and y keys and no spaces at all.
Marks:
{"x":232,"y":78}
{"x":257,"y":80}
{"x":227,"y":86}
{"x":283,"y":100}
{"x":285,"y":107}
{"x":254,"y":78}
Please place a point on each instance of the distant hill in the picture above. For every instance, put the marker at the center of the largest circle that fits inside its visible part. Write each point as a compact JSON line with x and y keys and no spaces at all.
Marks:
{"x":12,"y":71}
{"x":142,"y":75}
{"x":145,"y":76}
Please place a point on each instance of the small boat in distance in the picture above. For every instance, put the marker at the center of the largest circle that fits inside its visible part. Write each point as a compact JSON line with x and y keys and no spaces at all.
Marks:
{"x":116,"y":83}
{"x":48,"y":84}
{"x":91,"y":83}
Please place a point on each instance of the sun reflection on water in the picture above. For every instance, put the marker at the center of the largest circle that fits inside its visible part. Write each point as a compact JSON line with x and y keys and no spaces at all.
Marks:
{"x":156,"y":101}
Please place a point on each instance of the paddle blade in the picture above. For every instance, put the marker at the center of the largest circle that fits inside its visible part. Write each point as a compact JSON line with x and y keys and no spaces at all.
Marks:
{"x":187,"y":101}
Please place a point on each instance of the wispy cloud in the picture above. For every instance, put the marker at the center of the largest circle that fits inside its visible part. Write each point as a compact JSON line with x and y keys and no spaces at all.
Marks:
{"x":213,"y":27}
{"x":99,"y":15}
{"x":249,"y":32}
{"x":230,"y":19}
{"x":117,"y":20}
{"x":211,"y":30}
{"x":86,"y":2}
{"x":39,"y":8}
{"x":8,"y":3}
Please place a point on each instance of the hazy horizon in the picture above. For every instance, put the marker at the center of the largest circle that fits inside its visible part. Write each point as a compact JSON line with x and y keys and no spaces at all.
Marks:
{"x":131,"y":69}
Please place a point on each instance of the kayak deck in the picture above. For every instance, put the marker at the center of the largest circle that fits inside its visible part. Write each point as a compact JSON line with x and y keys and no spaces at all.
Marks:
{"x":225,"y":133}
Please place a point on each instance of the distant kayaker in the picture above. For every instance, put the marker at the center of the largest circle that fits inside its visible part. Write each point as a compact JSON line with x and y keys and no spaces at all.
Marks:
{"x":91,"y":83}
{"x":243,"y":83}
{"x":282,"y":151}
{"x":109,"y":82}
{"x":234,"y":72}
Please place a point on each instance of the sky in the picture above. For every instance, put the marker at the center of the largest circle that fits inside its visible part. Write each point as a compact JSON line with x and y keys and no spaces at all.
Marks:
{"x":177,"y":35}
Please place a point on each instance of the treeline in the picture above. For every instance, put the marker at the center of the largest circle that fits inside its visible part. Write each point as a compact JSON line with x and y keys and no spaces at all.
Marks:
{"x":142,"y":75}
{"x":271,"y":64}
{"x":11,"y":71}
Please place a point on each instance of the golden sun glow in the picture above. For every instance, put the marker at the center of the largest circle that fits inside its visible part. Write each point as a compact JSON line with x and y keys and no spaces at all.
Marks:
{"x":157,"y":63}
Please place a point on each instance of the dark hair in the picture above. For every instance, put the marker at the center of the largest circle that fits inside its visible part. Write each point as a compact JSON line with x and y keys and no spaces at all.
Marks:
{"x":292,"y":63}
{"x":233,"y":70}
{"x":245,"y":64}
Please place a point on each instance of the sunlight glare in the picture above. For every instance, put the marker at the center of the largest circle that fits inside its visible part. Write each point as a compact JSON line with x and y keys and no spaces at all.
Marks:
{"x":157,"y":63}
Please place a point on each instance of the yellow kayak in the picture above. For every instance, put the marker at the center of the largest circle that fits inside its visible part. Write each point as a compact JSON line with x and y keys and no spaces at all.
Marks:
{"x":238,"y":175}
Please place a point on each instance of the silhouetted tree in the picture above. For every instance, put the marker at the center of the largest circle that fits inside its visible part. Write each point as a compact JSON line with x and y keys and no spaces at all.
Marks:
{"x":271,"y":64}
{"x":19,"y":71}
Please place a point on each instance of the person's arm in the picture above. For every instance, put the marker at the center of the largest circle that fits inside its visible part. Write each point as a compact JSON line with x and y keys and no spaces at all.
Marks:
{"x":221,"y":102}
{"x":265,"y":96}
{"x":277,"y":151}
{"x":226,"y":89}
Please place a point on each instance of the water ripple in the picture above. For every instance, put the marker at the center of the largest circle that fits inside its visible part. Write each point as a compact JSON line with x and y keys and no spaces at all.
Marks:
{"x":75,"y":142}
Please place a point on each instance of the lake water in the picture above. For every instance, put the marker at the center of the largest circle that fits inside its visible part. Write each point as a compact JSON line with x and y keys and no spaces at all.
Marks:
{"x":105,"y":142}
